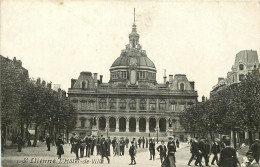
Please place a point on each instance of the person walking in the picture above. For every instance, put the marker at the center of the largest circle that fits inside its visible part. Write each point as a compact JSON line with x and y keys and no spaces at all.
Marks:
{"x":104,"y":150}
{"x":194,"y":151}
{"x":143,"y":141}
{"x":93,"y":143}
{"x":215,"y":151}
{"x":82,"y":147}
{"x":59,"y":145}
{"x":146,"y":141}
{"x":114,"y":145}
{"x":207,"y":151}
{"x":171,"y":152}
{"x":139,"y":142}
{"x":98,"y":145}
{"x":126,"y":142}
{"x":122,"y":147}
{"x":48,"y":142}
{"x":177,"y":143}
{"x":255,"y":148}
{"x":72,"y":141}
{"x":162,"y":149}
{"x":20,"y":143}
{"x":88,"y":142}
{"x":76,"y":144}
{"x":201,"y":151}
{"x":152,"y":149}
{"x":109,"y":145}
{"x":228,"y":156}
{"x":132,"y":153}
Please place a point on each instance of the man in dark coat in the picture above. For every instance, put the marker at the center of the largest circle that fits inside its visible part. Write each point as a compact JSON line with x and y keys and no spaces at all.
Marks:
{"x":98,"y":145}
{"x":171,"y":152}
{"x":152,"y":149}
{"x":201,"y":152}
{"x":207,"y":151}
{"x":93,"y":143}
{"x":20,"y":143}
{"x":195,"y":152}
{"x":255,"y":148}
{"x":104,"y":150}
{"x":132,"y":153}
{"x":88,"y":142}
{"x":76,"y":146}
{"x":162,"y":151}
{"x":122,"y":146}
{"x":139,"y":142}
{"x":143,"y":141}
{"x":146,"y":141}
{"x":228,"y":156}
{"x":82,"y":147}
{"x":177,"y":143}
{"x":215,"y":151}
{"x":109,"y":143}
{"x":71,"y":142}
{"x":114,"y":144}
{"x":48,"y":142}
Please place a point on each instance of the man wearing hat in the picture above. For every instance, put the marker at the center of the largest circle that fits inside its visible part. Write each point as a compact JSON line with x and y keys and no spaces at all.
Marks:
{"x":71,"y":142}
{"x":93,"y":143}
{"x":228,"y":156}
{"x":98,"y":144}
{"x":152,"y":149}
{"x":195,"y":152}
{"x":215,"y":150}
{"x":104,"y":150}
{"x":122,"y":146}
{"x":171,"y":151}
{"x":251,"y":160}
{"x":88,"y":142}
{"x":255,"y":148}
{"x":132,"y":153}
{"x":162,"y":151}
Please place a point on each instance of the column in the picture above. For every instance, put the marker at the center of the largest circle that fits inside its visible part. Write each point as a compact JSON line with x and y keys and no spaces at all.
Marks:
{"x":127,"y":125}
{"x":97,"y":121}
{"x":157,"y":123}
{"x":117,"y":125}
{"x":137,"y":125}
{"x":147,"y":125}
{"x":107,"y":122}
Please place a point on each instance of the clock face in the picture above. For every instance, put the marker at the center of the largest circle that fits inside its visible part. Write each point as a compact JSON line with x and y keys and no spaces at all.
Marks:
{"x":133,"y":61}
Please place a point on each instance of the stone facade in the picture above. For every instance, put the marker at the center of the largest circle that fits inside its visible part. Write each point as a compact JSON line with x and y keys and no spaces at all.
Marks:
{"x":132,"y":101}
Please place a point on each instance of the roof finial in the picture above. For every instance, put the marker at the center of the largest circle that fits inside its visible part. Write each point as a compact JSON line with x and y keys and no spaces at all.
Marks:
{"x":134,"y":15}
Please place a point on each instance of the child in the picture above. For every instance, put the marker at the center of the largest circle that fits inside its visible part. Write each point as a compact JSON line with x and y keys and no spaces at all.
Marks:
{"x":132,"y":152}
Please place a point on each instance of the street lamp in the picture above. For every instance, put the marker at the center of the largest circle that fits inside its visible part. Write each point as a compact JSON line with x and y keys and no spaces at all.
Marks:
{"x":157,"y":128}
{"x":107,"y":131}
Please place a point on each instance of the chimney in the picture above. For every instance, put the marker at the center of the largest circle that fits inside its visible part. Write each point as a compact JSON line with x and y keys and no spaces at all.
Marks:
{"x":43,"y":83}
{"x":73,"y":81}
{"x":164,"y":77}
{"x":170,"y":78}
{"x":49,"y":85}
{"x":192,"y":85}
{"x":95,"y":79}
{"x":203,"y":98}
{"x":101,"y":77}
{"x":167,"y":84}
{"x":38,"y":82}
{"x":220,"y":79}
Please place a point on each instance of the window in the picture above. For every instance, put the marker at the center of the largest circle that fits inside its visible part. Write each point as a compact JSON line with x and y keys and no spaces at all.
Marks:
{"x":112,"y":104}
{"x":102,"y":104}
{"x":241,"y":77}
{"x":172,"y":107}
{"x":241,"y":67}
{"x":182,"y":106}
{"x":182,"y":87}
{"x":91,"y":104}
{"x":142,"y":105}
{"x":83,"y":86}
{"x":124,"y":74}
{"x":132,"y":105}
{"x":82,"y":123}
{"x":142,"y":74}
{"x":162,"y":105}
{"x":83,"y":105}
{"x":152,"y":105}
{"x":122,"y":104}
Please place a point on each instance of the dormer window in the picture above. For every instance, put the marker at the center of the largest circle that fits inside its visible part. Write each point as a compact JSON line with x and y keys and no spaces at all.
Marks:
{"x":241,"y":67}
{"x":181,"y":87}
{"x":83,"y":85}
{"x":124,"y":74}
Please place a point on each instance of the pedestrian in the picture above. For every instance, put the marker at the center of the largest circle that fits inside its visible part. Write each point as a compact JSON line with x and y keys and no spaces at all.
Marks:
{"x":88,"y":142}
{"x":117,"y":151}
{"x":139,"y":142}
{"x":48,"y":142}
{"x":126,"y":142}
{"x":72,"y":141}
{"x":143,"y":141}
{"x":215,"y":151}
{"x":132,"y":153}
{"x":177,"y":143}
{"x":114,"y":145}
{"x":20,"y":143}
{"x":59,"y":145}
{"x":255,"y":148}
{"x":135,"y":142}
{"x":228,"y":156}
{"x":152,"y":149}
{"x":207,"y":151}
{"x":104,"y":150}
{"x":93,"y":143}
{"x":109,"y":144}
{"x":201,"y":151}
{"x":162,"y":151}
{"x":98,"y":144}
{"x":251,"y":160}
{"x":171,"y":152}
{"x":146,"y":143}
{"x":76,"y":144}
{"x":82,"y":147}
{"x":194,"y":149}
{"x":122,"y":147}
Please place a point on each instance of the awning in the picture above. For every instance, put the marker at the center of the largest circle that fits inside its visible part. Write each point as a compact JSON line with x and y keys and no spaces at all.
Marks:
{"x":32,"y":132}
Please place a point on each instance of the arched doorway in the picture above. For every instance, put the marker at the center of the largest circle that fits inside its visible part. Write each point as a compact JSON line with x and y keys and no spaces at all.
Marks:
{"x":132,"y":125}
{"x":152,"y":124}
{"x":112,"y":124}
{"x":102,"y":123}
{"x":162,"y":125}
{"x":142,"y":125}
{"x":122,"y":124}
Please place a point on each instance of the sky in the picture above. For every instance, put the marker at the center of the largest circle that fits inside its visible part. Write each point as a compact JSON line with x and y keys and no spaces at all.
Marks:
{"x":56,"y":40}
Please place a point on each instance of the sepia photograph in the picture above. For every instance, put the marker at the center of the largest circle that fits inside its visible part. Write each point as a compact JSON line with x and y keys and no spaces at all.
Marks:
{"x":130,"y":83}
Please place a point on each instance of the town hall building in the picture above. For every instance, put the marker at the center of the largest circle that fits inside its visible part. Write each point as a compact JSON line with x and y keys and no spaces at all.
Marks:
{"x":132,"y":102}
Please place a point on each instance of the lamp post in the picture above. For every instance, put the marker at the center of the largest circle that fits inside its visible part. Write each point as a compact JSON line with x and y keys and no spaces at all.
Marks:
{"x":107,"y":131}
{"x":157,"y":128}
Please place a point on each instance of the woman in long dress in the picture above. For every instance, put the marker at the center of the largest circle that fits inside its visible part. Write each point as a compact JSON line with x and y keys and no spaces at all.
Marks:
{"x":59,"y":145}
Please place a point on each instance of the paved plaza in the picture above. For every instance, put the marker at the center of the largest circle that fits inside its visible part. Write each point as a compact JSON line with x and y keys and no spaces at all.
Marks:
{"x":38,"y":156}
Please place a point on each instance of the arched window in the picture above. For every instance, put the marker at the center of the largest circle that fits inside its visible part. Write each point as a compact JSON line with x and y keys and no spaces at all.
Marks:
{"x":182,"y":87}
{"x":82,"y":122}
{"x":112,"y":104}
{"x":152,"y":105}
{"x":241,"y":77}
{"x":241,"y":67}
{"x":132,"y":105}
{"x":84,"y":85}
{"x":122,"y":104}
{"x":102,"y":103}
{"x":162,"y":105}
{"x":142,"y":104}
